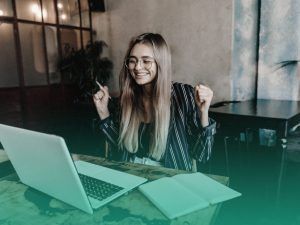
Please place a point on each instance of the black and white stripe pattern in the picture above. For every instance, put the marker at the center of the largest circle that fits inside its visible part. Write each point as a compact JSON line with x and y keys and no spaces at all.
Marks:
{"x":187,"y":139}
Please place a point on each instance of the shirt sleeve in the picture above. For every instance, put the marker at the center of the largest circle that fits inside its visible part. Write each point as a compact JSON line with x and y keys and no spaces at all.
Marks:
{"x":200,"y":138}
{"x":110,"y":125}
{"x":109,"y":129}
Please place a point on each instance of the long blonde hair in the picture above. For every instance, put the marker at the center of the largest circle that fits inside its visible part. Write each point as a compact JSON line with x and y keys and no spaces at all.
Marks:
{"x":132,"y":104}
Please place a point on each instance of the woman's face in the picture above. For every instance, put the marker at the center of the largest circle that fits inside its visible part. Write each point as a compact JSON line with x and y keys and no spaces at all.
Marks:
{"x":141,"y":64}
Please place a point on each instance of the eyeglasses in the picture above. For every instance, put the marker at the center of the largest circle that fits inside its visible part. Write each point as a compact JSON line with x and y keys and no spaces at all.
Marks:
{"x":146,"y":62}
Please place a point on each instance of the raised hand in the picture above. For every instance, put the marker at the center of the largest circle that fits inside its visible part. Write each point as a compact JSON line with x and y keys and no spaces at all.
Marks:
{"x":101,"y":99}
{"x":203,"y":96}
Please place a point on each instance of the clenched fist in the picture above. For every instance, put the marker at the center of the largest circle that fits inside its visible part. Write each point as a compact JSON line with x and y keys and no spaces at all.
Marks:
{"x":203,"y":96}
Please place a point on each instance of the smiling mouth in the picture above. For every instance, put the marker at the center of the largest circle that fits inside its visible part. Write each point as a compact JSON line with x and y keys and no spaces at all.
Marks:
{"x":141,"y":75}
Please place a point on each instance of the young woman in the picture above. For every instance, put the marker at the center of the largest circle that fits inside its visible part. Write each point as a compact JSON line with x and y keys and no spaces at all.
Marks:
{"x":160,"y":122}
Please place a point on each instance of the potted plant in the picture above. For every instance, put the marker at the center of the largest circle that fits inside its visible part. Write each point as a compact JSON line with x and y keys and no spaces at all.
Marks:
{"x":86,"y":66}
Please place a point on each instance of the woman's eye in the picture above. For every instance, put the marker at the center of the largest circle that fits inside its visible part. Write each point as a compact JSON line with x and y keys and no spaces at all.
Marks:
{"x":132,"y":61}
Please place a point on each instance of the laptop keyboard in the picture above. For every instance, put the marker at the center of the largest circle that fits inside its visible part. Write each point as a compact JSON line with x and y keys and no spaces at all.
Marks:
{"x":98,"y":189}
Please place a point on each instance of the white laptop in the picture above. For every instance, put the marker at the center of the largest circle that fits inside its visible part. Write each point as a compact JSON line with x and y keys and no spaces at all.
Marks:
{"x":43,"y":162}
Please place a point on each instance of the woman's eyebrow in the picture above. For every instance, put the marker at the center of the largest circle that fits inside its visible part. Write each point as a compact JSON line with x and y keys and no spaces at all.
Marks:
{"x":143,"y":57}
{"x":147,"y":57}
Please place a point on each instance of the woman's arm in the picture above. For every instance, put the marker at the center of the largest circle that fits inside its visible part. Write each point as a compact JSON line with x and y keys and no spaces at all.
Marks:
{"x":203,"y":97}
{"x":201,"y":128}
{"x":110,"y":130}
{"x":107,"y":111}
{"x":202,"y":141}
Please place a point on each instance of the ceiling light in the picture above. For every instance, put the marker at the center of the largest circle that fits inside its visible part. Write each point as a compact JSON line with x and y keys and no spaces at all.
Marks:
{"x":64,"y":16}
{"x":60,"y":5}
{"x":45,"y":14}
{"x":35,"y":9}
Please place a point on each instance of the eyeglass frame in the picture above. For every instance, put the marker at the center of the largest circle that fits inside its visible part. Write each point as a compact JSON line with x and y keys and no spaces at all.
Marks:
{"x":140,"y":60}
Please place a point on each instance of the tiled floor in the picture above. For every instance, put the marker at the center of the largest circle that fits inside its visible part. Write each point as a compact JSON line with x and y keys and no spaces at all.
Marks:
{"x":253,"y":172}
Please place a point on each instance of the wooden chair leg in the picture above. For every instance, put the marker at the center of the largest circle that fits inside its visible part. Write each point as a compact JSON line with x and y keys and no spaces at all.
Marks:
{"x":106,"y":150}
{"x":226,"y":154}
{"x":194,"y":166}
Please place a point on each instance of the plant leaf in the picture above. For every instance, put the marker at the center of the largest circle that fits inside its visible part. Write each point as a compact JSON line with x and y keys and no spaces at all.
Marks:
{"x":285,"y":63}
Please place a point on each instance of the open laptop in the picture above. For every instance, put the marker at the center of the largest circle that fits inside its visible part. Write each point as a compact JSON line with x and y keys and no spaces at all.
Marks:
{"x":43,"y":162}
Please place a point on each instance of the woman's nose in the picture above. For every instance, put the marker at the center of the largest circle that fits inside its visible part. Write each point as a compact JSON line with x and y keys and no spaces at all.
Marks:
{"x":138,"y":65}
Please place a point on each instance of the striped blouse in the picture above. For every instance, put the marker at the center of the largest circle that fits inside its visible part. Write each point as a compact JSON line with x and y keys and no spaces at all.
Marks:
{"x":187,"y":139}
